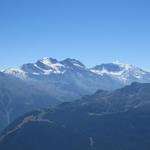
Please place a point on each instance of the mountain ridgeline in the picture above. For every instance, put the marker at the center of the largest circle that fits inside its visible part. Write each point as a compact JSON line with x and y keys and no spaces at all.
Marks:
{"x":73,"y":75}
{"x":113,"y":120}
{"x":51,"y":82}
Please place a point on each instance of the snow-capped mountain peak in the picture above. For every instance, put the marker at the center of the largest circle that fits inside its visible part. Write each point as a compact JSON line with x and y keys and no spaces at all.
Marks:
{"x":124,"y":72}
{"x":115,"y":67}
{"x":18,"y":72}
{"x":48,"y":61}
{"x":122,"y":65}
{"x":44,"y":66}
{"x":116,"y":71}
{"x":73,"y":63}
{"x":50,"y":65}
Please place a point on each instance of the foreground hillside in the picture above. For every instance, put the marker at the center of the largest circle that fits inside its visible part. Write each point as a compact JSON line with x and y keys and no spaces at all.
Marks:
{"x":106,"y":120}
{"x":18,"y":97}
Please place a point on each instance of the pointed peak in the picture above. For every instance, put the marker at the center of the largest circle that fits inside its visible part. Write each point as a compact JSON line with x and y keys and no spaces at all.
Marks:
{"x":73,"y":62}
{"x":48,"y":61}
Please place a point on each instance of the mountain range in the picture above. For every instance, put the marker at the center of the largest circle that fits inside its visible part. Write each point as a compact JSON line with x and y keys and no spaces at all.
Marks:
{"x":49,"y":69}
{"x":51,"y":82}
{"x":115,"y":120}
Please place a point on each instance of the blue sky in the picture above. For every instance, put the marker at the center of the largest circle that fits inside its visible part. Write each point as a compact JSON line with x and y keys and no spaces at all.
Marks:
{"x":93,"y":31}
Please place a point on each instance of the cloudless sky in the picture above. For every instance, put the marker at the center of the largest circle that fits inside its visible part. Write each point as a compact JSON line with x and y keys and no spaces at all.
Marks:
{"x":93,"y":31}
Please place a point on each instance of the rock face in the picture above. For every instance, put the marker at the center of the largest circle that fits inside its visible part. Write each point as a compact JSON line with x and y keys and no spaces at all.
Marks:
{"x":105,"y":120}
